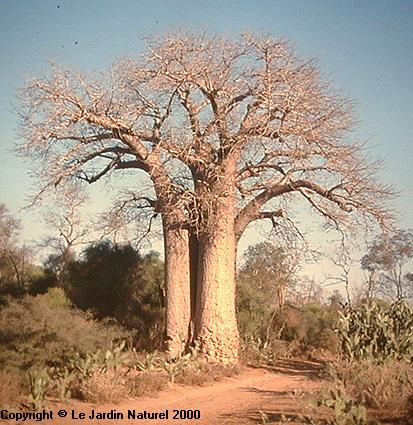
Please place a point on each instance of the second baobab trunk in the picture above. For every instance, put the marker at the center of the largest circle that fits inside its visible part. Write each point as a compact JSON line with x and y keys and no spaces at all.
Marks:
{"x":177,"y":284}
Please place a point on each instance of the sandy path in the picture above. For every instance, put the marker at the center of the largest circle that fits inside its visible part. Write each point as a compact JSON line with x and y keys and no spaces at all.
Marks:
{"x":236,"y":400}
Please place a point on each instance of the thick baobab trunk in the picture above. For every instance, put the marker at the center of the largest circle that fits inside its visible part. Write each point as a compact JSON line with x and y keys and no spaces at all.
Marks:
{"x":216,"y":326}
{"x":177,"y":284}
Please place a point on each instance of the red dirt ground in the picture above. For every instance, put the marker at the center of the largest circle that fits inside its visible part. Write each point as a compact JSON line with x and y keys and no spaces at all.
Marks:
{"x":256,"y":395}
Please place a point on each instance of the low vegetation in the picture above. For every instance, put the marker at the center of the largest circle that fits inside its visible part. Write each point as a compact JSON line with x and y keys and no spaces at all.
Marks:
{"x":50,"y":349}
{"x":368,"y":377}
{"x":46,"y":331}
{"x":373,"y":378}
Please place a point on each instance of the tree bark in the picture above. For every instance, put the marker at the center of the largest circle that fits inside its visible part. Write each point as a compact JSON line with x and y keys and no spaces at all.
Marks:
{"x":216,"y":326}
{"x":177,"y":284}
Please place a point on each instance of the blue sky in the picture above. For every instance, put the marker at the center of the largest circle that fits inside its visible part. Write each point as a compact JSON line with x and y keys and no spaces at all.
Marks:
{"x":365,"y":47}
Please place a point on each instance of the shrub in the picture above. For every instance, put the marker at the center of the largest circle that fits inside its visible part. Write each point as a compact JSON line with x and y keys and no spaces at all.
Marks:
{"x":115,"y":281}
{"x":43,"y":330}
{"x":292,"y":330}
{"x":57,"y":298}
{"x":41,"y":281}
{"x":254,"y":351}
{"x":308,"y":327}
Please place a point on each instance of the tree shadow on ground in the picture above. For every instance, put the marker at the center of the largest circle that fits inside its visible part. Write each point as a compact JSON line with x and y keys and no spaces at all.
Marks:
{"x":309,"y":369}
{"x":267,"y":393}
{"x":276,"y":407}
{"x":389,"y":419}
{"x":274,"y":416}
{"x":286,"y":405}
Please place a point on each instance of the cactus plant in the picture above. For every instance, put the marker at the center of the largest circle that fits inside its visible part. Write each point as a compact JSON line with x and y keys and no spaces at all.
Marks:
{"x":377,"y":332}
{"x":39,"y":383}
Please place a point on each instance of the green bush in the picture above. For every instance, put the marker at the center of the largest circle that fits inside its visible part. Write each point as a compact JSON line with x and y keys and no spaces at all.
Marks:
{"x":309,"y":327}
{"x":115,"y":281}
{"x":44,"y":330}
{"x":253,"y":309}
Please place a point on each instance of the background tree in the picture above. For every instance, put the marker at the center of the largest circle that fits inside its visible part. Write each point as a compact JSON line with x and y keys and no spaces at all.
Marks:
{"x":9,"y":228}
{"x":386,"y":262}
{"x":229,"y":132}
{"x":370,"y":288}
{"x":14,"y":259}
{"x":64,"y":221}
{"x":272,"y":269}
{"x":344,"y":264}
{"x":268,"y":273}
{"x":303,"y":322}
{"x":307,"y":291}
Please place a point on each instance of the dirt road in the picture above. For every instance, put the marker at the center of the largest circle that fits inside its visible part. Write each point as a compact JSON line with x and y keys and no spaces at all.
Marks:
{"x":244,"y":399}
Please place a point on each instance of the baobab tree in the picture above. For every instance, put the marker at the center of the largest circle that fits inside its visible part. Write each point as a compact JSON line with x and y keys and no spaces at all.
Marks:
{"x":229,"y":132}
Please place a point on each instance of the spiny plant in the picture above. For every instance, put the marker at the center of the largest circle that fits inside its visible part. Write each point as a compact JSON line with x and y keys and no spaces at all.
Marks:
{"x":39,"y":383}
{"x":380,"y":386}
{"x":377,"y":332}
{"x":150,"y":362}
{"x":346,"y":410}
{"x":77,"y":369}
{"x":176,"y":366}
{"x":62,"y":380}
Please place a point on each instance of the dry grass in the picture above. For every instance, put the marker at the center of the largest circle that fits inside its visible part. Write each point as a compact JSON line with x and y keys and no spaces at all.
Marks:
{"x":112,"y":386}
{"x":11,"y":389}
{"x":386,"y":390}
{"x":386,"y":386}
{"x":205,"y":373}
{"x":104,"y":387}
{"x":146,"y":383}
